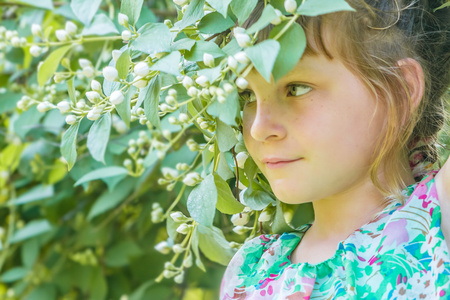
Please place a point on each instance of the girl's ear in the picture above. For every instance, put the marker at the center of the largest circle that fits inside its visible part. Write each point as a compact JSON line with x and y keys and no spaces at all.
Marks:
{"x":413,"y":74}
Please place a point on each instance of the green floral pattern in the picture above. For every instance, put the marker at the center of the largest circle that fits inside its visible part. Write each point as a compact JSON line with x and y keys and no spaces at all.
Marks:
{"x":401,"y":254}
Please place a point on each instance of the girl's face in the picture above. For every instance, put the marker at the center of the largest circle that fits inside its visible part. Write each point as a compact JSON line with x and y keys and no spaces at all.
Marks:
{"x":312,"y":133}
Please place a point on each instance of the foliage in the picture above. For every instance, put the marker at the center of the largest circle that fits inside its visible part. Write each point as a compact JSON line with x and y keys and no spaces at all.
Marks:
{"x":121,"y":141}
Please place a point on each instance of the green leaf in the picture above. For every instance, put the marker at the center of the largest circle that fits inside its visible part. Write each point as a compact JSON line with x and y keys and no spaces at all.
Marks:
{"x":102,"y":173}
{"x":120,"y":254}
{"x":9,"y":101}
{"x":30,"y":252}
{"x":36,"y":193}
{"x":290,"y":53}
{"x":50,"y":64}
{"x":220,"y":5}
{"x":214,"y":23}
{"x":227,"y":111}
{"x":243,"y":9}
{"x":101,"y":25}
{"x":267,"y":16}
{"x":202,"y":47}
{"x":194,"y":246}
{"x":98,"y":137}
{"x":111,"y":199}
{"x":279,"y":224}
{"x":226,"y":202}
{"x":14,"y":274}
{"x":447,"y":4}
{"x":168,"y":64}
{"x":257,"y":199}
{"x":320,"y":7}
{"x":71,"y":91}
{"x":132,"y":8}
{"x":193,"y":13}
{"x":85,"y":9}
{"x":263,"y":56}
{"x":45,"y":291}
{"x":225,"y":136}
{"x":202,"y":200}
{"x":32,"y":229}
{"x":151,"y":101}
{"x":183,"y":44}
{"x":153,"y":38}
{"x":27,"y":121}
{"x":223,"y":170}
{"x":123,"y":64}
{"x":124,"y":108}
{"x":211,"y":73}
{"x":214,"y":245}
{"x":98,"y":287}
{"x":45,"y":4}
{"x":68,"y":145}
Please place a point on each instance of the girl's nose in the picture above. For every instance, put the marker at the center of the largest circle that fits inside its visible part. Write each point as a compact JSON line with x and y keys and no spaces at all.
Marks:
{"x":268,"y":122}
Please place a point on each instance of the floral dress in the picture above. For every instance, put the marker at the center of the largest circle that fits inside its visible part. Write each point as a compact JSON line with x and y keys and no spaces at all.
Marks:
{"x":401,"y":254}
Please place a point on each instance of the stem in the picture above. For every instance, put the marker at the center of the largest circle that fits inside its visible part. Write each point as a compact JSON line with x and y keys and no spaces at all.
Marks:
{"x":285,"y":28}
{"x":12,"y":215}
{"x":80,"y":41}
{"x":174,"y":203}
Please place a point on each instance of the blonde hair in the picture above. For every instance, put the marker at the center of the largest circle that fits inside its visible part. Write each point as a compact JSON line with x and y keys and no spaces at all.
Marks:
{"x":371,"y":42}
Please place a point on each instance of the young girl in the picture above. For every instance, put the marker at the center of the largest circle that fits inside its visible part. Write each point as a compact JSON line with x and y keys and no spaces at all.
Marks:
{"x":352,"y":129}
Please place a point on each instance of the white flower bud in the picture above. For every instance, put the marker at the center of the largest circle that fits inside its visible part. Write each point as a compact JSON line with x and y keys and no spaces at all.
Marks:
{"x":88,"y":72}
{"x":179,"y":278}
{"x":187,"y":82}
{"x":264,"y":217}
{"x":163,"y":247}
{"x":241,"y":83}
{"x":183,"y":118}
{"x":96,"y":86}
{"x":183,"y":228}
{"x":169,"y":173}
{"x":182,"y":166}
{"x":178,"y":216}
{"x":63,"y":106}
{"x":180,"y":2}
{"x":71,"y":119}
{"x":92,"y":115}
{"x":192,"y":91}
{"x":116,"y":97}
{"x":242,"y":58}
{"x":177,"y":248}
{"x":228,"y":88}
{"x":192,"y":179}
{"x":35,"y":50}
{"x":44,"y":106}
{"x":110,"y":73}
{"x":232,"y":62}
{"x":290,"y":6}
{"x":62,"y":35}
{"x":237,"y":220}
{"x":120,"y":126}
{"x":173,"y":93}
{"x":9,"y":34}
{"x":81,"y":104}
{"x":141,"y":69}
{"x":173,"y":120}
{"x":127,"y":163}
{"x":208,"y":60}
{"x":71,"y":28}
{"x":126,"y":35}
{"x":165,"y":108}
{"x":202,"y":81}
{"x":23,"y":42}
{"x":241,"y":157}
{"x":15,"y":41}
{"x":139,"y":82}
{"x":277,"y":21}
{"x":204,"y":125}
{"x":36,"y":29}
{"x":187,"y":262}
{"x":116,"y":54}
{"x":244,"y":40}
{"x":123,"y":19}
{"x":171,"y":100}
{"x":84,"y":63}
{"x":93,"y":96}
{"x":241,"y":229}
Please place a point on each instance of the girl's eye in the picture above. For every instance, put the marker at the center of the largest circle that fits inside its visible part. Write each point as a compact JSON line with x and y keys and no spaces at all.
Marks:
{"x":246,"y":97}
{"x":298,"y":89}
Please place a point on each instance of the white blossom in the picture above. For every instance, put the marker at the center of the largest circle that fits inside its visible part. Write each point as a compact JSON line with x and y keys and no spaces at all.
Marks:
{"x":208,"y":60}
{"x":88,"y":72}
{"x":36,"y":29}
{"x":192,"y":91}
{"x":110,"y":73}
{"x":123,"y":19}
{"x":63,"y":106}
{"x":163,"y":247}
{"x":62,"y":35}
{"x":183,"y":228}
{"x":93,"y":96}
{"x":228,"y":88}
{"x":71,"y":119}
{"x":187,"y":82}
{"x":290,"y":6}
{"x":242,"y":58}
{"x":92,"y":115}
{"x":192,"y":179}
{"x":178,"y":216}
{"x":35,"y":50}
{"x":44,"y":106}
{"x":141,"y":69}
{"x":71,"y":28}
{"x":169,"y":173}
{"x":240,"y":219}
{"x":177,"y":248}
{"x":96,"y":86}
{"x":232,"y":62}
{"x":277,"y":20}
{"x":139,"y":82}
{"x":179,"y":278}
{"x":84,"y":63}
{"x":241,"y":83}
{"x":183,"y":118}
{"x":264,"y":216}
{"x":241,"y":157}
{"x":202,"y":81}
{"x":241,"y":229}
{"x":116,"y":97}
{"x":243,"y":39}
{"x":126,"y":35}
{"x":15,"y":41}
{"x":116,"y":54}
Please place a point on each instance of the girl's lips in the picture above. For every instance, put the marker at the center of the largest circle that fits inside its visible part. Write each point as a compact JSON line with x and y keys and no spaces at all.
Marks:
{"x":274,"y":164}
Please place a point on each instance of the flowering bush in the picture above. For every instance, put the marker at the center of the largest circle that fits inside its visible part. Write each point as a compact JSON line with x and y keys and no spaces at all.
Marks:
{"x":121,"y":140}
